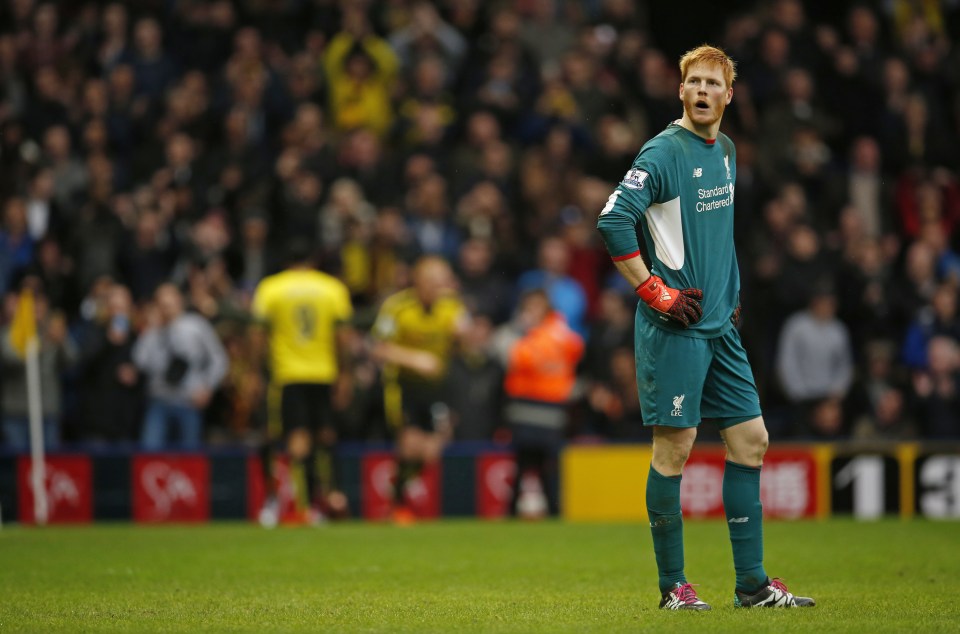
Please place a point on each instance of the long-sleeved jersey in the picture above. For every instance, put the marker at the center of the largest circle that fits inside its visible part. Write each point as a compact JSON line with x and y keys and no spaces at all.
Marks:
{"x":678,"y":198}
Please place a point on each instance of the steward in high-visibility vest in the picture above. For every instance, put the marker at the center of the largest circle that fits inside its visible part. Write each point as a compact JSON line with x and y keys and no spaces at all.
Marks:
{"x":540,"y":379}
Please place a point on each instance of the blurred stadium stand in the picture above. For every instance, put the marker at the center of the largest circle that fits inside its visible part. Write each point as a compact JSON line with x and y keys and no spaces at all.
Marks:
{"x":187,"y":141}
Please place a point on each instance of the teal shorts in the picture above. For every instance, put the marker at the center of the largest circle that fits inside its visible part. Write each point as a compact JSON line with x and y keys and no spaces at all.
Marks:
{"x":683,"y":380}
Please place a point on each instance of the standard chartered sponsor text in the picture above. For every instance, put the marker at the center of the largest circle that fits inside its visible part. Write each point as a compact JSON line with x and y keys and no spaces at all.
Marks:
{"x":723,"y":190}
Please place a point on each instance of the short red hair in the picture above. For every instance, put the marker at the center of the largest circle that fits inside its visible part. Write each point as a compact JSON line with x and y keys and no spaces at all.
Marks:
{"x":710,"y":56}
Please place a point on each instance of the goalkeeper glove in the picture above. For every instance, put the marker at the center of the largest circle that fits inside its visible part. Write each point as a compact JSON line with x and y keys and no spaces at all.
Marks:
{"x":680,"y":306}
{"x":735,"y":317}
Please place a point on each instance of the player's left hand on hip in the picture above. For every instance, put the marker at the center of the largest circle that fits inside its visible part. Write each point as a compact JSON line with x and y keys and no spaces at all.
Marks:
{"x":735,"y":317}
{"x":682,"y":306}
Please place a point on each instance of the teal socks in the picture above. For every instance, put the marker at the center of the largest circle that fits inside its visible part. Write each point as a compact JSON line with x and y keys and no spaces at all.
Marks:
{"x":741,"y":502}
{"x":666,"y":525}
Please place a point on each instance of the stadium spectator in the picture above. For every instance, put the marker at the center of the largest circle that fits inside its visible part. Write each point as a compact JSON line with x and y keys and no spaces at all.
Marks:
{"x":865,"y":301}
{"x":345,"y":206}
{"x":476,"y":384}
{"x":815,"y":362}
{"x":110,"y":385}
{"x":938,"y":319}
{"x":864,"y":189}
{"x":804,"y":265}
{"x":255,"y":256}
{"x":482,"y":287}
{"x":68,"y":174}
{"x":114,"y":40}
{"x":431,"y":218}
{"x":481,"y":129}
{"x":147,"y":256}
{"x":360,"y":69}
{"x":612,"y":330}
{"x":55,"y":273}
{"x":427,"y":35}
{"x":16,"y":243}
{"x":153,"y":68}
{"x":936,"y":391}
{"x":546,"y":33}
{"x":565,"y":294}
{"x":877,"y":404}
{"x":183,"y":362}
{"x":613,"y":404}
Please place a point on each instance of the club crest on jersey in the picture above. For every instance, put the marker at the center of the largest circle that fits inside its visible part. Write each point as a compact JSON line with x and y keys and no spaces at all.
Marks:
{"x":678,"y":405}
{"x":634,"y":179}
{"x":726,"y":163}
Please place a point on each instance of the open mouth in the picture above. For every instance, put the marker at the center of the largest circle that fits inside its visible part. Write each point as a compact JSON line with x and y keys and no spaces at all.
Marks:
{"x":702,"y":105}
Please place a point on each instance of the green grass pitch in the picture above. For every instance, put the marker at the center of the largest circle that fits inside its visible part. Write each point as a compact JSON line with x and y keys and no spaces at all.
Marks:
{"x":464,"y":576}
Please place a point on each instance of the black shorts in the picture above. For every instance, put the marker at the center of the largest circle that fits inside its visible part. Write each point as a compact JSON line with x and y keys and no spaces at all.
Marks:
{"x":305,"y":405}
{"x":423,"y":405}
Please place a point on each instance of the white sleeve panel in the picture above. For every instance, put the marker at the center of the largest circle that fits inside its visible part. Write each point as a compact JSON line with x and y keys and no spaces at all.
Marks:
{"x":666,"y":229}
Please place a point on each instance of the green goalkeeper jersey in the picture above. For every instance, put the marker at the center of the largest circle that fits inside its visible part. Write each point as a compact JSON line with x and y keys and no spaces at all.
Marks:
{"x":678,"y":195}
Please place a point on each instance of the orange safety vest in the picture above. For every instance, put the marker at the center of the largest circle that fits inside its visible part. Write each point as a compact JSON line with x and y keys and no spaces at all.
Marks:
{"x":542,"y":364}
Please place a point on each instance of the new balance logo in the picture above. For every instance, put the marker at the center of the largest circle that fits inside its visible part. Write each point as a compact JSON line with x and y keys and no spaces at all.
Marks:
{"x":678,"y":405}
{"x":697,"y":172}
{"x":738,"y":520}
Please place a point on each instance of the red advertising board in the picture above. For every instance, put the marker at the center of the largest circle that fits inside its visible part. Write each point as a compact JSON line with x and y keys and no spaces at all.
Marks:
{"x":701,"y":489}
{"x":378,"y":470}
{"x":69,"y":489}
{"x":171,"y":488}
{"x":495,"y":474}
{"x":788,"y":484}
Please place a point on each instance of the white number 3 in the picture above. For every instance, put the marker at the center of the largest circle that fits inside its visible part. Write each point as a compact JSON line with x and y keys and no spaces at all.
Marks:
{"x":610,"y":202}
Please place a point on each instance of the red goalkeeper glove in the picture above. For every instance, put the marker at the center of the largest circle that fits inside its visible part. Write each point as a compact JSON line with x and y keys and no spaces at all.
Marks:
{"x":680,"y":306}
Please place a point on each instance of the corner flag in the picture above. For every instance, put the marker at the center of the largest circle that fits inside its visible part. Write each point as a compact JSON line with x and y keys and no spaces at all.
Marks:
{"x":23,"y":337}
{"x":23,"y":328}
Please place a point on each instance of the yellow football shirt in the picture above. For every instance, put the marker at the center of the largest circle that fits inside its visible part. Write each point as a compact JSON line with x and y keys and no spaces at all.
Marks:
{"x":405,"y":321}
{"x":302,"y":308}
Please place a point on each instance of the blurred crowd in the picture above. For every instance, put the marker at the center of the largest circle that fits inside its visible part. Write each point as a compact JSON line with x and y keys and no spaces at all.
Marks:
{"x":157,"y":156}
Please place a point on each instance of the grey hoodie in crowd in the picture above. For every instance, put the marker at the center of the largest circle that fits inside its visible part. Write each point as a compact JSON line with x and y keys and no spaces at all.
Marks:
{"x":190,"y":337}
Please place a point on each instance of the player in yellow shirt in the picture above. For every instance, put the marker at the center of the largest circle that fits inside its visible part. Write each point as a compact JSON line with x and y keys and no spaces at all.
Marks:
{"x":416,"y":330}
{"x":305,"y":313}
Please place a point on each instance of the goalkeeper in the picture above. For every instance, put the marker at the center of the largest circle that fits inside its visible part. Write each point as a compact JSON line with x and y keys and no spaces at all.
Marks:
{"x":678,"y":198}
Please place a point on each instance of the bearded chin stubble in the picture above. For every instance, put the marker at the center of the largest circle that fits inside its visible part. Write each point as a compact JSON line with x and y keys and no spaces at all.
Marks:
{"x":689,"y":109}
